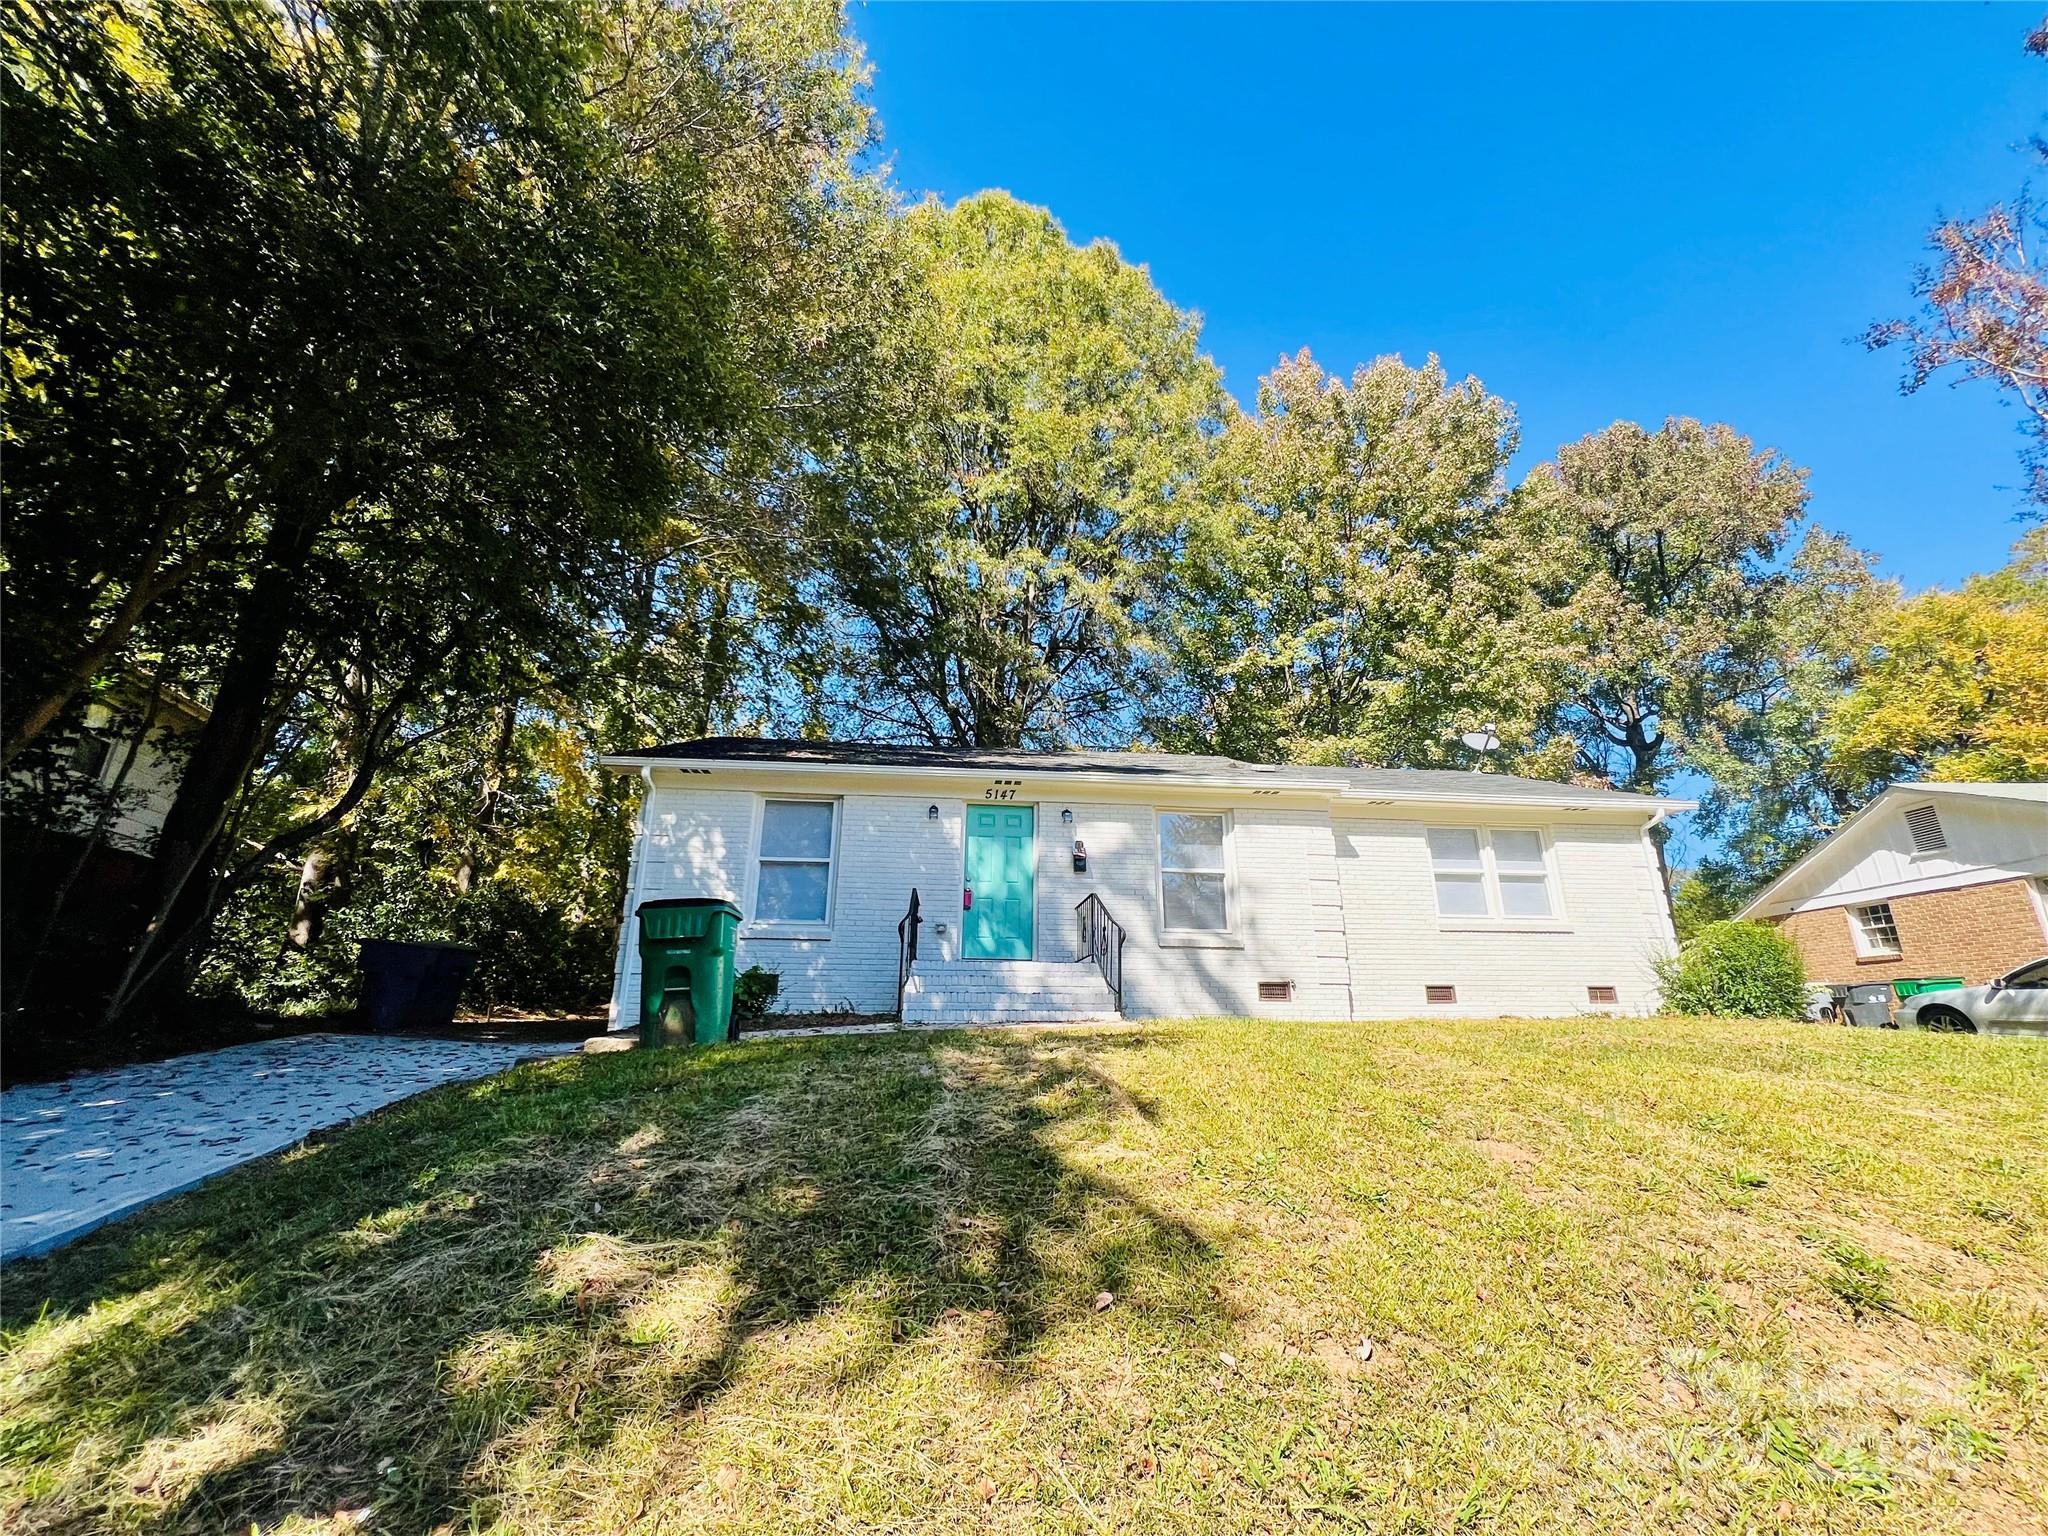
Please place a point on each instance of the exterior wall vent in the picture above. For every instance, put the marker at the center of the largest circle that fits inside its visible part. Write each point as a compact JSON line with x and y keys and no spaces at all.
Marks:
{"x":1602,"y":995}
{"x":1440,"y":994}
{"x":1275,"y":991}
{"x":1925,"y":828}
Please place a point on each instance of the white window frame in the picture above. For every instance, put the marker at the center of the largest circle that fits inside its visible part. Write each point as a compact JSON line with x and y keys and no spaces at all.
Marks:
{"x":783,"y":927}
{"x":1862,"y":940}
{"x":2037,"y":887}
{"x":1496,"y":912}
{"x":1225,"y":937}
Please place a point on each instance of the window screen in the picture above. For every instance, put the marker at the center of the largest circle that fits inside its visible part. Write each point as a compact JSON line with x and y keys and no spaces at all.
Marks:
{"x":90,"y":756}
{"x":796,"y":862}
{"x":1491,"y":872}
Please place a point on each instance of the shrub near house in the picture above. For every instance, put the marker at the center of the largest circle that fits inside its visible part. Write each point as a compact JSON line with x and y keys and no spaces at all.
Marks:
{"x":1745,"y":970}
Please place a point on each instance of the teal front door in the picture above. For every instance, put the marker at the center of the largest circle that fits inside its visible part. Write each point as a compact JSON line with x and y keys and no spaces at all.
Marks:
{"x":1002,"y":874}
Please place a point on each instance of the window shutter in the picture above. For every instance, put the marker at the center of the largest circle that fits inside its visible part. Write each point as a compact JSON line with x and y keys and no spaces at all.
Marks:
{"x":1925,"y":828}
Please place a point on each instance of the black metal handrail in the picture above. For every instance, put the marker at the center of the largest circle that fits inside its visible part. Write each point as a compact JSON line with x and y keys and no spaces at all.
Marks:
{"x":1102,"y":940}
{"x":906,"y":948}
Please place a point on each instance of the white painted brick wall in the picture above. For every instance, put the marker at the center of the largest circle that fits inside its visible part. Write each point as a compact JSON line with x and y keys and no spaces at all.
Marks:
{"x":699,"y":842}
{"x":1284,"y":909}
{"x":1615,"y":923}
{"x":1346,"y":912}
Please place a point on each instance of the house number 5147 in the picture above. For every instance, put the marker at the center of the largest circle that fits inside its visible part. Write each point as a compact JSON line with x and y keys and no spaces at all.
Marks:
{"x":999,"y":794}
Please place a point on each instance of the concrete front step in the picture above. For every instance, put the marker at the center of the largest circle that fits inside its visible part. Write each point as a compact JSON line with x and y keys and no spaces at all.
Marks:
{"x":1006,"y":992}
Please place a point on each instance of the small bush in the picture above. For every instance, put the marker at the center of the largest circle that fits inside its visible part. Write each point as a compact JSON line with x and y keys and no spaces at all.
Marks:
{"x":754,"y":992}
{"x":1745,"y":970}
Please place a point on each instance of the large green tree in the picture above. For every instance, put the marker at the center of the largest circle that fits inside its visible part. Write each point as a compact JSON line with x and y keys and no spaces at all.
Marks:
{"x":1004,"y":548}
{"x":1349,"y":590}
{"x":363,"y":355}
{"x":1701,"y":616}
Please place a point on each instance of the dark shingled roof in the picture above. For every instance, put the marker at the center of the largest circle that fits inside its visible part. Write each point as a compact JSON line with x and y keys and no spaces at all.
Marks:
{"x":1401,"y":782}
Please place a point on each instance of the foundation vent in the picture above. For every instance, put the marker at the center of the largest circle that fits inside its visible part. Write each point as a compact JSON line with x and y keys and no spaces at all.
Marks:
{"x":1602,"y":995}
{"x":1275,"y":991}
{"x":1440,"y":994}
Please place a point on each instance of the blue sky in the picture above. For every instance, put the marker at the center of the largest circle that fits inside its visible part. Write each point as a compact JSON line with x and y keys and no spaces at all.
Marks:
{"x":1603,"y":212}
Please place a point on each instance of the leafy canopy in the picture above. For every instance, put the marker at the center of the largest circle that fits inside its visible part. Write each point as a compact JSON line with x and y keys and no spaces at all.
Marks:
{"x":1004,"y":553}
{"x":1955,"y":685}
{"x":1347,"y":590}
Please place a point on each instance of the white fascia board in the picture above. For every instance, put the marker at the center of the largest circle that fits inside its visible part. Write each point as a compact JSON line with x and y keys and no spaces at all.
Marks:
{"x":1768,"y":901}
{"x":1651,"y":810}
{"x":1170,"y":784}
{"x":1954,"y":880}
{"x":1151,"y":785}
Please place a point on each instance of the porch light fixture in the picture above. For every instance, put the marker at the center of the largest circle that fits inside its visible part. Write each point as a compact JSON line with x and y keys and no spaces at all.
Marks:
{"x":931,"y":813}
{"x":1067,"y":817}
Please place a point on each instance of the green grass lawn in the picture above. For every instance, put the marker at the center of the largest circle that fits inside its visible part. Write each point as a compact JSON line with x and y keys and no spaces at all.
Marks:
{"x":1584,"y":1275}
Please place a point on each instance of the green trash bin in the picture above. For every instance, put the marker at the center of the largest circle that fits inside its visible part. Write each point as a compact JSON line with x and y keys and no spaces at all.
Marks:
{"x":1914,"y":986}
{"x":686,"y":970}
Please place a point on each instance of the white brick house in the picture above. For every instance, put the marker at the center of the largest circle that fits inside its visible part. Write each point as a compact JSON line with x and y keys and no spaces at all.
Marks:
{"x":1294,"y":892}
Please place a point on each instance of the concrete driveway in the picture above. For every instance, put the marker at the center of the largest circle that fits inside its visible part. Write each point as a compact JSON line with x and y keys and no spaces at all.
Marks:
{"x":91,"y":1149}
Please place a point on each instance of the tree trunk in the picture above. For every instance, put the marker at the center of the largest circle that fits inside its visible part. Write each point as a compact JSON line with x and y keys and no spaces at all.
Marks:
{"x":324,"y":880}
{"x":717,"y":665}
{"x":490,"y":802}
{"x":1643,"y":779}
{"x":226,"y":749}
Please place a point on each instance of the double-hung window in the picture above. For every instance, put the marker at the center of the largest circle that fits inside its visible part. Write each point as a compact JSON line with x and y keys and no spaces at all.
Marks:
{"x":794,"y":884}
{"x":1492,"y":872}
{"x":1460,"y":872}
{"x":1876,"y":931}
{"x":1194,"y":895}
{"x":1523,"y":876}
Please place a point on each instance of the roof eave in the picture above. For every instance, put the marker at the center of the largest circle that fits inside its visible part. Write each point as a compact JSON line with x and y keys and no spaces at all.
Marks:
{"x":1335,"y":789}
{"x":1596,"y":800}
{"x":1765,"y":897}
{"x":633,"y":763}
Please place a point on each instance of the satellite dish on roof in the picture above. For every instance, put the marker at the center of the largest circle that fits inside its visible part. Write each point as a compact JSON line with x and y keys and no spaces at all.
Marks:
{"x":1485,"y":739}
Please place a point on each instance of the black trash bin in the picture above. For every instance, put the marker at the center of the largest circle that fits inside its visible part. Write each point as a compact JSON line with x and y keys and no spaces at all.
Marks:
{"x":1867,"y":1005}
{"x":413,"y":986}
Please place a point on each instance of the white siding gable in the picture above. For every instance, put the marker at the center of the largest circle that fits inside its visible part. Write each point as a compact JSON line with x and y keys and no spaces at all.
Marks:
{"x":1986,"y":838}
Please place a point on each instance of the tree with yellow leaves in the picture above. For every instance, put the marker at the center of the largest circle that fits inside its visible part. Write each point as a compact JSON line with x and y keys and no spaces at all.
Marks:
{"x":1956,"y":686}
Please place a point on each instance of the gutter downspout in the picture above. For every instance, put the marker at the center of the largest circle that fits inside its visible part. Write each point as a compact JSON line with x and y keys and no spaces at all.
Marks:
{"x":634,"y":863}
{"x":1656,"y":858}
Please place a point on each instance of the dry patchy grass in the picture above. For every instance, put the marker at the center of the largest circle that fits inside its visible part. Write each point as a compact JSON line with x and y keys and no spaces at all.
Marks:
{"x":1499,"y":1276}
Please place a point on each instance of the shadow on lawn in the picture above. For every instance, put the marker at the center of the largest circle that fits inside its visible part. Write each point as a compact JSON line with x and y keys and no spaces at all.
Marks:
{"x":500,"y":1270}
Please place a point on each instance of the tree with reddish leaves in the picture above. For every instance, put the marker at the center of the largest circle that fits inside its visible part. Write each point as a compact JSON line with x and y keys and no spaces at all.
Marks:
{"x":1984,"y":311}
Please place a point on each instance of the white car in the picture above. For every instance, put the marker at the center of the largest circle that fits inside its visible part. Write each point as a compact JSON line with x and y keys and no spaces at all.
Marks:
{"x":2015,"y":1004}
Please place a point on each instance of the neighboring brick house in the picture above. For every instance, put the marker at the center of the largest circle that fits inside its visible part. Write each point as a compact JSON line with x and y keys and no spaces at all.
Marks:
{"x":1239,"y":888}
{"x":1926,"y":880}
